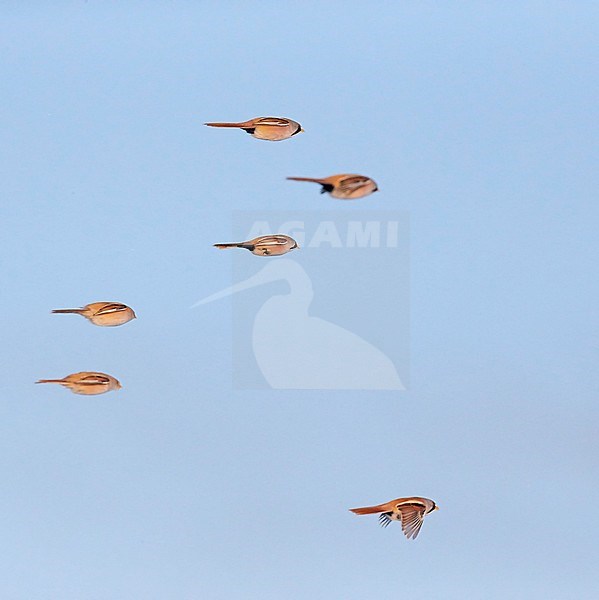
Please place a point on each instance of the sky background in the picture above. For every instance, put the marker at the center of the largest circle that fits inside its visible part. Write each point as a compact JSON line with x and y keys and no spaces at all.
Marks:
{"x":478,"y":119}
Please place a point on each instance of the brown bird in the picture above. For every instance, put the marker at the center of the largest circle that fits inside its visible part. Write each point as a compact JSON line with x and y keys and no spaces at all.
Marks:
{"x":272,"y":129}
{"x":346,"y":186}
{"x":88,"y":383}
{"x":103,"y":314}
{"x":265,"y":245}
{"x":410,"y":511}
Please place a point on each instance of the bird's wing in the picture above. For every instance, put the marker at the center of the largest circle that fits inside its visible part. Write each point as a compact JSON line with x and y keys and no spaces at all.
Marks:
{"x":272,"y":240}
{"x":350,"y":184}
{"x":94,"y":380}
{"x":274,"y":121}
{"x":111,"y":308}
{"x":385,"y":519}
{"x":412,"y":517}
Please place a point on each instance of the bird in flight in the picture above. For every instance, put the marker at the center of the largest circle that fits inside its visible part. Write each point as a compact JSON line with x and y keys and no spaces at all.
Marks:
{"x":346,"y":186}
{"x":88,"y":383}
{"x":265,"y":245}
{"x":272,"y":129}
{"x":409,"y":511}
{"x":103,"y":314}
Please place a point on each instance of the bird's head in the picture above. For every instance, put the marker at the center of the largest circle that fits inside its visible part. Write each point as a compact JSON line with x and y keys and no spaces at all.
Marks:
{"x":280,"y":269}
{"x":298,"y":129}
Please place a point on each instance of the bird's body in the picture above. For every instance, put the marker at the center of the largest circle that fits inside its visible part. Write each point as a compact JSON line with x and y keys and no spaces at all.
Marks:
{"x":265,"y":245}
{"x":346,"y":186}
{"x":103,"y":314}
{"x":409,"y":511}
{"x":272,"y":129}
{"x":88,"y":383}
{"x":324,"y":355}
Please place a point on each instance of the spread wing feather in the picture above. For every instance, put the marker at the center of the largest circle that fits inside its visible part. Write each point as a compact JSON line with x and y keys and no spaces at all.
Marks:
{"x":412,"y":517}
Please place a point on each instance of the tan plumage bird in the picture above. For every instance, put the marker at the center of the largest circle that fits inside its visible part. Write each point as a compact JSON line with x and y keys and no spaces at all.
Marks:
{"x":410,"y":511}
{"x":103,"y":314}
{"x":265,"y":245}
{"x":272,"y":129}
{"x":346,"y":186}
{"x":88,"y":383}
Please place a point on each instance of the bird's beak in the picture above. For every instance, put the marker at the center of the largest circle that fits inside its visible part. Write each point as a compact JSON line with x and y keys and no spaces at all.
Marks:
{"x":302,"y":130}
{"x":257,"y":279}
{"x":436,"y":508}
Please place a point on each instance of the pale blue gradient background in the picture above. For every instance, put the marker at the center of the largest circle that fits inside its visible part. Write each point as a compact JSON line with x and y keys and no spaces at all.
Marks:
{"x":479,"y":119}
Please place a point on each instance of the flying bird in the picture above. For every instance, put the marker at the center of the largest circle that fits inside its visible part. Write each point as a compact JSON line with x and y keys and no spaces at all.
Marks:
{"x":346,"y":186}
{"x":272,"y":129}
{"x":88,"y":383}
{"x":265,"y":245}
{"x":410,"y":511}
{"x":103,"y":314}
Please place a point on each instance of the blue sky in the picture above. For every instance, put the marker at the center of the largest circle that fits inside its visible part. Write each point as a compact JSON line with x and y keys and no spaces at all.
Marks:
{"x":479,"y":119}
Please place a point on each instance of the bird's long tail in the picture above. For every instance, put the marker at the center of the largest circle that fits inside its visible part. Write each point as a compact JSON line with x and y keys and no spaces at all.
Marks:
{"x":241,"y":125}
{"x":312,"y":179}
{"x":50,"y":381}
{"x":368,"y":510}
{"x":64,"y":311}
{"x":234,"y":245}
